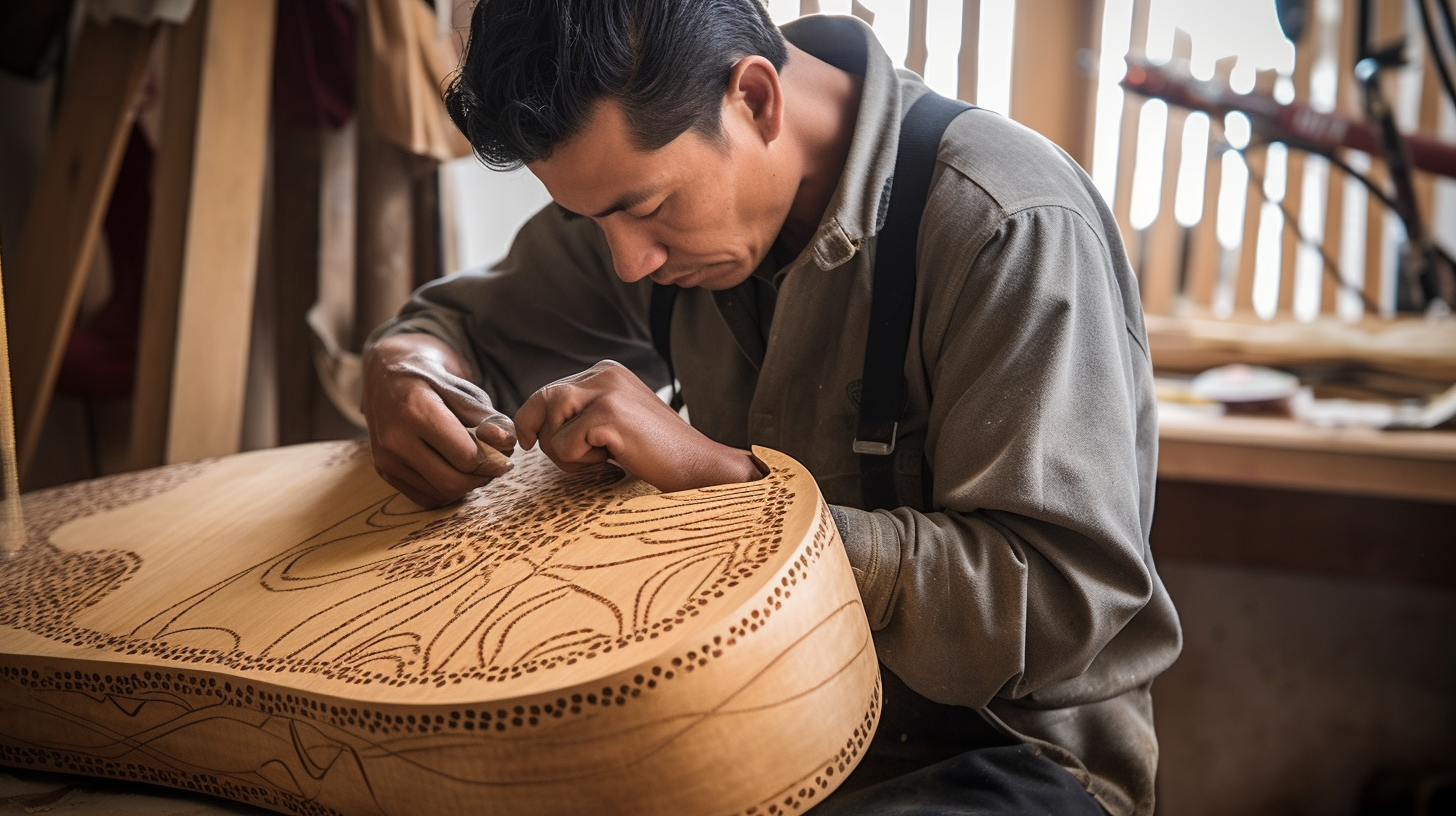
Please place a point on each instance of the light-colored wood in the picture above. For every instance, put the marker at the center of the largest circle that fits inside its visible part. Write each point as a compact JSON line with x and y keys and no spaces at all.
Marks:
{"x":46,"y":273}
{"x":1409,"y":346}
{"x":1284,"y":453}
{"x":1162,"y":257}
{"x":281,"y":628}
{"x":201,"y":277}
{"x":166,"y":244}
{"x":219,"y":275}
{"x":1257,"y":159}
{"x":1049,"y":92}
{"x":1132,"y":108}
{"x":1204,"y":250}
{"x":1293,"y":193}
{"x":1335,"y":35}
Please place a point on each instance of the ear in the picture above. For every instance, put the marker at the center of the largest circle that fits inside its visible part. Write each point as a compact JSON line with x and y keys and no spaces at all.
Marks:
{"x":755,"y":94}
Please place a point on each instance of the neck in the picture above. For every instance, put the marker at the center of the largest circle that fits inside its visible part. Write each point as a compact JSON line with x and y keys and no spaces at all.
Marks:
{"x":824,"y":103}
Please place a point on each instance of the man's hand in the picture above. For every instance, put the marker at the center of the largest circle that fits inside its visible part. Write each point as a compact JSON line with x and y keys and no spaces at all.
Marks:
{"x":435,"y":436}
{"x":606,"y":412}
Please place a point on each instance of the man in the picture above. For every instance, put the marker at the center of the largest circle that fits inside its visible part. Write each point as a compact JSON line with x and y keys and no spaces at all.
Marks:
{"x":1017,"y":612}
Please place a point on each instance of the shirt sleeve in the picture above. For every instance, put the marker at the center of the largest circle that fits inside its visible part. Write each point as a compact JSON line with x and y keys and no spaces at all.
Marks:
{"x":1042,"y":441}
{"x":552,"y":307}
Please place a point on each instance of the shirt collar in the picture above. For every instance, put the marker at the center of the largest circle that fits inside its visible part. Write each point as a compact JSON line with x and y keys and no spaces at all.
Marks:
{"x":856,"y":210}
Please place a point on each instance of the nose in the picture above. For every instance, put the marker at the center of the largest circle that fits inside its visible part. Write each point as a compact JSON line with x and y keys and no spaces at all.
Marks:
{"x":635,"y":253}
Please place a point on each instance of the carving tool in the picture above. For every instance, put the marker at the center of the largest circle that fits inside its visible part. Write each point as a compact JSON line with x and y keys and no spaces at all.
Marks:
{"x":491,"y":462}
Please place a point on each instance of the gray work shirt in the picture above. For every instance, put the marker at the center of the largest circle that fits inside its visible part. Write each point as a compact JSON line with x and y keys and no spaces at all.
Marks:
{"x":1029,"y":592}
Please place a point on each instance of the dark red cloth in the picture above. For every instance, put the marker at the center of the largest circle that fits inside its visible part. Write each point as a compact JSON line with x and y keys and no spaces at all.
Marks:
{"x":314,"y":63}
{"x":100,"y":359}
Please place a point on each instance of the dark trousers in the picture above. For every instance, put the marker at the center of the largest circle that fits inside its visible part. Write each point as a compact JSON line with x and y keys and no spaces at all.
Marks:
{"x":929,"y":759}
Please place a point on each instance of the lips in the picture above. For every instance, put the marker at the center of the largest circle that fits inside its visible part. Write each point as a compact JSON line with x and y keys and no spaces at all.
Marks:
{"x":676,"y":277}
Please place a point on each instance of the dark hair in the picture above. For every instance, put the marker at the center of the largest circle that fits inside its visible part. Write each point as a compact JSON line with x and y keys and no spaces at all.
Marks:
{"x":535,"y":69}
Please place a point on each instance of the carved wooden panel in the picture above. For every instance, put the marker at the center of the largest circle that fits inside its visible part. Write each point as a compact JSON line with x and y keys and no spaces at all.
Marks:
{"x":281,"y":628}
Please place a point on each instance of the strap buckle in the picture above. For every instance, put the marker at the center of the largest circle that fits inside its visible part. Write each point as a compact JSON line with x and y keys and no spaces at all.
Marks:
{"x":875,"y":447}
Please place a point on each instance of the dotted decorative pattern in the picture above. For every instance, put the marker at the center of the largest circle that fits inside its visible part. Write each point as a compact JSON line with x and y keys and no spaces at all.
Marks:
{"x":810,"y":790}
{"x":44,"y":589}
{"x":210,"y":690}
{"x":267,"y":796}
{"x":511,"y":542}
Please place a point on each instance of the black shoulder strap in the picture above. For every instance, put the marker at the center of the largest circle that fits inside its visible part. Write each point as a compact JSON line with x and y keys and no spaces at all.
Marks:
{"x":882,"y":388}
{"x":882,"y":393}
{"x":660,"y":321}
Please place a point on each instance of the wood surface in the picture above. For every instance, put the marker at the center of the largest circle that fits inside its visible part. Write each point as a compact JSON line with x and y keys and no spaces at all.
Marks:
{"x":1049,"y":92}
{"x":1286,"y":453}
{"x":1413,"y":346}
{"x":281,"y":628}
{"x":203,"y":247}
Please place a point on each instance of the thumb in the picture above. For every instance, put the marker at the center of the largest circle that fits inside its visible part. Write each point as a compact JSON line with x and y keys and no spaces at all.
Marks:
{"x":497,"y":431}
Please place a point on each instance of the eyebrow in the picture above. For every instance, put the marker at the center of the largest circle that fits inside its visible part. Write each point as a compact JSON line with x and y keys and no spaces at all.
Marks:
{"x":626,"y":202}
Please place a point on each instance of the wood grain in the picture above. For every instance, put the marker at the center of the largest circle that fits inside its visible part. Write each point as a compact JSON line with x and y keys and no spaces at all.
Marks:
{"x":203,"y":248}
{"x":281,"y":628}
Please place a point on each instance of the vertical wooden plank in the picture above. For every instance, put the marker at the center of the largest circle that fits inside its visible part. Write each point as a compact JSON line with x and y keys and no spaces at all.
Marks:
{"x":808,"y":7}
{"x":1132,"y":108}
{"x":1049,"y":92}
{"x":1204,"y":250}
{"x":47,"y":271}
{"x":1304,"y":57}
{"x":1162,"y":258}
{"x":1094,"y":11}
{"x":1257,"y":157}
{"x":1342,"y":29}
{"x":966,"y":74}
{"x":167,"y":242}
{"x":918,"y":51}
{"x":220,"y":189}
{"x":215,"y":311}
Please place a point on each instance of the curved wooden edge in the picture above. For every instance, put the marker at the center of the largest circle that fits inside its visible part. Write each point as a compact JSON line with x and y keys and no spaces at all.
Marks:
{"x":767,"y":708}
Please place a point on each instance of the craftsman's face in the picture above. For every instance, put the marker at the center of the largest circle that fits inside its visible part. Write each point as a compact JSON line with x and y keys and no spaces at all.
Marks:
{"x":692,"y":213}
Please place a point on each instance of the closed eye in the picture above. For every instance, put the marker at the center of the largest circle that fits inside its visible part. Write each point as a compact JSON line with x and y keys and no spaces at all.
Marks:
{"x":650,"y":213}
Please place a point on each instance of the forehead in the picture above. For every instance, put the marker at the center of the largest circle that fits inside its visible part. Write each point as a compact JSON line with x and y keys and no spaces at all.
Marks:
{"x":596,"y":168}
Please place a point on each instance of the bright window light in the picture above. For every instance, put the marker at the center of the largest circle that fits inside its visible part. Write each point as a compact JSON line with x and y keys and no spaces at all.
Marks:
{"x":993,"y":61}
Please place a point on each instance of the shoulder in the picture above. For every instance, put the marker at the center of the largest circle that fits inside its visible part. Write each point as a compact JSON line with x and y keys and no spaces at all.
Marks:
{"x":1015,"y":167}
{"x":995,"y":173}
{"x":1009,"y":201}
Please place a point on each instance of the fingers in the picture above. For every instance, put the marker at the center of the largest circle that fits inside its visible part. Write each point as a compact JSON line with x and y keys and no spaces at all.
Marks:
{"x":579,"y":421}
{"x":465,"y":399}
{"x":422,"y":417}
{"x":498,"y":432}
{"x":429,"y":457}
{"x":491,"y":462}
